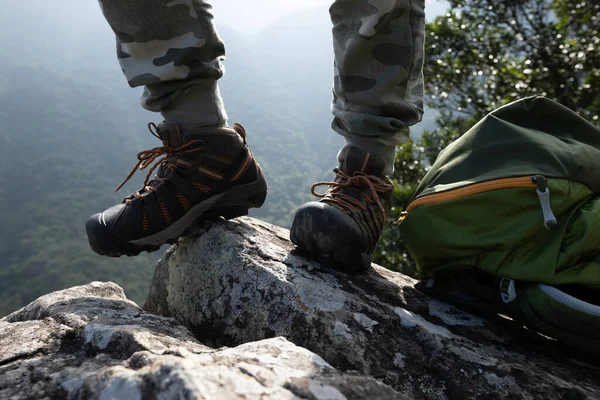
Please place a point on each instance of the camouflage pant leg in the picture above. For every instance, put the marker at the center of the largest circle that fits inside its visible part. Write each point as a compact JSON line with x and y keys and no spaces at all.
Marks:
{"x":378,"y":85}
{"x":166,"y":45}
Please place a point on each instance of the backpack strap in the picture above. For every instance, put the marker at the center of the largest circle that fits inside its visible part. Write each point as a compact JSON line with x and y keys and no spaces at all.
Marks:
{"x":544,"y":308}
{"x":555,"y":313}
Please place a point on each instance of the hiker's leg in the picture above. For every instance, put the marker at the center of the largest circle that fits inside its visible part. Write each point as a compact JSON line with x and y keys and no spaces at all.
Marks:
{"x":171,"y":48}
{"x":378,"y":94}
{"x":203,"y":169}
{"x":378,"y":84}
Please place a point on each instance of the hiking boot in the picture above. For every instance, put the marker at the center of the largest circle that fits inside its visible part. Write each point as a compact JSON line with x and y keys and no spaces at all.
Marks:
{"x":202,"y":173}
{"x":343,"y":228}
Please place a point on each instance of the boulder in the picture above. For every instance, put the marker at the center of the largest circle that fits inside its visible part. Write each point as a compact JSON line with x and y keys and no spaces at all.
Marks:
{"x":241,"y":281}
{"x":90,"y":342}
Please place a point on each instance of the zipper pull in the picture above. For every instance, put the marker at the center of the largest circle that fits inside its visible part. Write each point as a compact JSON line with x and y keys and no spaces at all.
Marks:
{"x":403,"y":216}
{"x":543,"y":193}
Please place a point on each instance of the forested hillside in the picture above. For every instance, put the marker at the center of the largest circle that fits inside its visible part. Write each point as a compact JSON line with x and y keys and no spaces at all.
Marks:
{"x":67,"y":127}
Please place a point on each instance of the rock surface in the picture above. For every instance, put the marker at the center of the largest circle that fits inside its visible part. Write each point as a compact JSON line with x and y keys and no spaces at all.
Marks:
{"x":237,"y":282}
{"x":90,"y":342}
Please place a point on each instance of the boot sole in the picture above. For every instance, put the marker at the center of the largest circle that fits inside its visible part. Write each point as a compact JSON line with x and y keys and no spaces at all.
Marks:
{"x":229,"y":205}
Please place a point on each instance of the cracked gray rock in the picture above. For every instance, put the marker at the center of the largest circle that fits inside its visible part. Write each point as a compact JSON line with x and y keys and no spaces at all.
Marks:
{"x":240,"y":281}
{"x":90,"y":342}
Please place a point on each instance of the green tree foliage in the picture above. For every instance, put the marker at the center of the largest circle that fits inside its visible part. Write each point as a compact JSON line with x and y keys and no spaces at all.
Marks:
{"x":483,"y":54}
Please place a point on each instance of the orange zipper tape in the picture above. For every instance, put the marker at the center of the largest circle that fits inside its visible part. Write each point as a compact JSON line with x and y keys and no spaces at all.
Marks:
{"x":506,"y":183}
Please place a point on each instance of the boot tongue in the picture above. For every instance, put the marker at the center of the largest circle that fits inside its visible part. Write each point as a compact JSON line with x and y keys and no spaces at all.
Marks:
{"x":354,"y":160}
{"x":170,"y":134}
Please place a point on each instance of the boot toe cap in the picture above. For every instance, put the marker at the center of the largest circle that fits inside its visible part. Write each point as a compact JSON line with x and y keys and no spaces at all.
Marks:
{"x":325,"y":231}
{"x":101,"y":235}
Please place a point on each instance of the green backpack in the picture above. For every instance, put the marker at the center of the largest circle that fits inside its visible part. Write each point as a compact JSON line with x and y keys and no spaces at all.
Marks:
{"x":508,"y":220}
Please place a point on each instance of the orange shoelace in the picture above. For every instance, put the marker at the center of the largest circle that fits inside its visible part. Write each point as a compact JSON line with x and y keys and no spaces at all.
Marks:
{"x":151,"y":158}
{"x":347,"y":203}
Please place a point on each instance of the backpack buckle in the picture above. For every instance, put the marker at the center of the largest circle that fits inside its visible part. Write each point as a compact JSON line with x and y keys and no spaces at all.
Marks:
{"x":508,"y":290}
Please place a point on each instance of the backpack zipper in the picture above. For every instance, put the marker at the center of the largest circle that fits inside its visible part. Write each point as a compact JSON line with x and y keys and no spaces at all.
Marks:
{"x":537,"y":181}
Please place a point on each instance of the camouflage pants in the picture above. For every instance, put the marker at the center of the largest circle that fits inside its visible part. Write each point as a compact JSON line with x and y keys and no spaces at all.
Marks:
{"x":170,"y":46}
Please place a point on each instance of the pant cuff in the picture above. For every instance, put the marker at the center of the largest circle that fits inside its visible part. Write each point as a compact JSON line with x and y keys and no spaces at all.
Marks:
{"x":198,"y":104}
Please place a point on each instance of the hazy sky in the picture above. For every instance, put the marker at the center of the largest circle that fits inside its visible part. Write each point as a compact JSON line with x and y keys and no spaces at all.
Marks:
{"x":249,"y":17}
{"x":246,"y":17}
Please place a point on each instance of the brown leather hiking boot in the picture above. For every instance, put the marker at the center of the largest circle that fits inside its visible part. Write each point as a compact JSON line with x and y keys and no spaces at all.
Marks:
{"x":343,"y":228}
{"x":201,"y":173}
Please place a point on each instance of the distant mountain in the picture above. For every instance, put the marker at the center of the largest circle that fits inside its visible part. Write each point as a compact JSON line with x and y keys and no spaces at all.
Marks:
{"x":65,"y":124}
